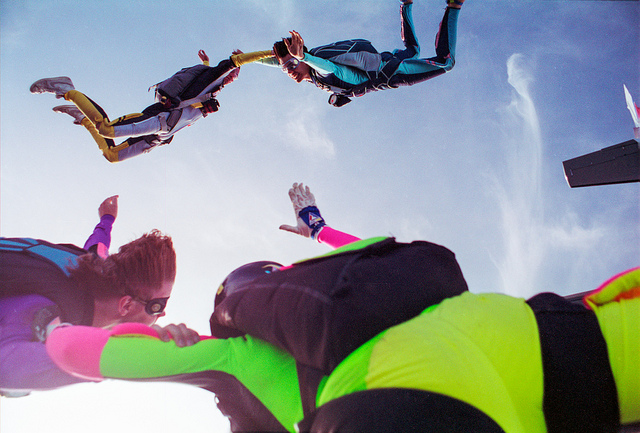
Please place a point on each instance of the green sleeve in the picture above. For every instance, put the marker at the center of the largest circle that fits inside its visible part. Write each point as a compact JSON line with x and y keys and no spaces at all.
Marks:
{"x":269,"y":373}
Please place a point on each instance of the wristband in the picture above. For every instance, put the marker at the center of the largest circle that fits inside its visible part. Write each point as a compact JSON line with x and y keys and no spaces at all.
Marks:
{"x":310,"y":215}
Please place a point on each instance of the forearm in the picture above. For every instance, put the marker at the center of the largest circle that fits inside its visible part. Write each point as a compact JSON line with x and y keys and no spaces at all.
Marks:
{"x":334,"y":238}
{"x":219,"y":366}
{"x":255,"y":56}
{"x":101,"y":236}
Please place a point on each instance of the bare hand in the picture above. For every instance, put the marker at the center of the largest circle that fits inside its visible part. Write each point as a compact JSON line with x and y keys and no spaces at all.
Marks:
{"x":232,"y":76}
{"x":182,"y":335}
{"x":109,"y":207}
{"x":296,"y":46}
{"x":203,"y":56}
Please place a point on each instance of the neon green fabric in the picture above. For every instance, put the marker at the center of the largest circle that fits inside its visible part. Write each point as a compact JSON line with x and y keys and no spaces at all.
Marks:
{"x":619,"y":317}
{"x":462,"y":348}
{"x":269,"y":373}
{"x":357,"y":245}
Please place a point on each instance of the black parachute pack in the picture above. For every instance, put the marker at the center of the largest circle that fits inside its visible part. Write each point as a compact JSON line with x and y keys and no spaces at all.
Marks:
{"x":320,"y":310}
{"x":34,"y":266}
{"x":342,"y":52}
{"x":193,"y":82}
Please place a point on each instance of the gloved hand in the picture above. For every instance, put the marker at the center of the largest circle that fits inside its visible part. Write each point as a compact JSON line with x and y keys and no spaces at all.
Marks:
{"x":308,"y":218}
{"x":209,"y":106}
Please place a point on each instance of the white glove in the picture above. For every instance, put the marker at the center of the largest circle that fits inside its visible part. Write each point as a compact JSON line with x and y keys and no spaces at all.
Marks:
{"x":308,"y":218}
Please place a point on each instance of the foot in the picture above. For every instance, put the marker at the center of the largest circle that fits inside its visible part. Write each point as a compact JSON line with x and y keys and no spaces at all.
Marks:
{"x":57,"y":85}
{"x":72,"y":111}
{"x":456,"y":4}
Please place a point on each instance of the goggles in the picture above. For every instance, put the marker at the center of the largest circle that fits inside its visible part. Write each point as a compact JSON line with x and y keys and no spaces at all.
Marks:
{"x":153,"y":307}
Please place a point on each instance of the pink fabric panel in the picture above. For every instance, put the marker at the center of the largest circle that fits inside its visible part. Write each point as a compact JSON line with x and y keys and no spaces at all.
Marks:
{"x":62,"y":350}
{"x":334,"y":238}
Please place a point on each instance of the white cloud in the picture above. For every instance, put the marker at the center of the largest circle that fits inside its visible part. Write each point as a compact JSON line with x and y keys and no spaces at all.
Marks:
{"x":304,"y":130}
{"x":529,"y":240}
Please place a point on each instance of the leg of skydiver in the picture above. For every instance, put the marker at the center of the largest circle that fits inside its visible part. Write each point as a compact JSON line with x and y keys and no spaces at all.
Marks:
{"x":127,"y":149}
{"x":104,"y":144}
{"x":415,"y":70}
{"x":108,"y":147}
{"x":135,"y":124}
{"x":408,"y":34}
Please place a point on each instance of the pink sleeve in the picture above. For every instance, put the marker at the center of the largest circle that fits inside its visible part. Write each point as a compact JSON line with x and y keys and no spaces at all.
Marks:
{"x":334,"y":238}
{"x":130,"y":328}
{"x":77,"y":350}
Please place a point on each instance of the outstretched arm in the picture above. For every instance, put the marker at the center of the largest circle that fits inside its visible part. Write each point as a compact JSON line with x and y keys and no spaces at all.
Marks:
{"x":256,"y":383}
{"x":239,"y":58}
{"x":310,"y":223}
{"x":100,"y":239}
{"x":79,"y":350}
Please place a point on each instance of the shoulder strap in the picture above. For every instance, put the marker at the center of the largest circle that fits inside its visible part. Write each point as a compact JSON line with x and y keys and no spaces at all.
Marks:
{"x":579,"y":389}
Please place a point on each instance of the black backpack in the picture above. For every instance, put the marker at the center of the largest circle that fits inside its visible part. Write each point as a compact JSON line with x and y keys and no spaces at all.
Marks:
{"x":322,"y":309}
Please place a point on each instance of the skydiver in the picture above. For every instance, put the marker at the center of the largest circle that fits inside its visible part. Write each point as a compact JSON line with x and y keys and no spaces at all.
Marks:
{"x":43,"y":284}
{"x":247,"y":395}
{"x":181,"y":100}
{"x":352,"y":68}
{"x":364,"y":286}
{"x":487,"y":363}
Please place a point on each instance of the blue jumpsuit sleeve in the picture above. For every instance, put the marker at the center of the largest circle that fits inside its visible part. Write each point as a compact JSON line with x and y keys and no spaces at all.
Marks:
{"x":325,"y":67}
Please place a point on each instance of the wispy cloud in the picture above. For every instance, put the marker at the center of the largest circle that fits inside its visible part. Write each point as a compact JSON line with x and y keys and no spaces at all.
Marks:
{"x":304,"y":130}
{"x":528,"y":239}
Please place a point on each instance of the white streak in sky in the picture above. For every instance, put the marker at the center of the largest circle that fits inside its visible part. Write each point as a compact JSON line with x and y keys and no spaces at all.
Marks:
{"x":519,"y":194}
{"x":528,"y":239}
{"x":304,"y":131}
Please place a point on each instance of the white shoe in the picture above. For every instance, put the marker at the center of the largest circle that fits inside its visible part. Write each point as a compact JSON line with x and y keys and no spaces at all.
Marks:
{"x":72,"y":111}
{"x":57,"y":85}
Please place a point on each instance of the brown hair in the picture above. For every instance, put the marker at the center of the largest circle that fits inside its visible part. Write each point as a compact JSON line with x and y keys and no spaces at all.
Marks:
{"x":282,"y":50}
{"x":137,"y":269}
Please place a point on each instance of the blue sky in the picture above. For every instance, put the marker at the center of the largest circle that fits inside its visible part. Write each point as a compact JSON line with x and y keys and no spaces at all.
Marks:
{"x":471,"y":160}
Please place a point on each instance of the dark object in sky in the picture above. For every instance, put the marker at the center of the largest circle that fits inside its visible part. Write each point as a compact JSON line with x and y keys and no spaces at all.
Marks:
{"x":619,"y":163}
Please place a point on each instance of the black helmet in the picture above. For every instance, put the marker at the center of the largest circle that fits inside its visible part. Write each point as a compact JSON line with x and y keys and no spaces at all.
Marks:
{"x":243,"y":275}
{"x":236,"y":279}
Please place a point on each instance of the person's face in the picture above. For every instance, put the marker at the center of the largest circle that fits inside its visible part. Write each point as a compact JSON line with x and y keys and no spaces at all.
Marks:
{"x":139,"y":311}
{"x":294,"y":68}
